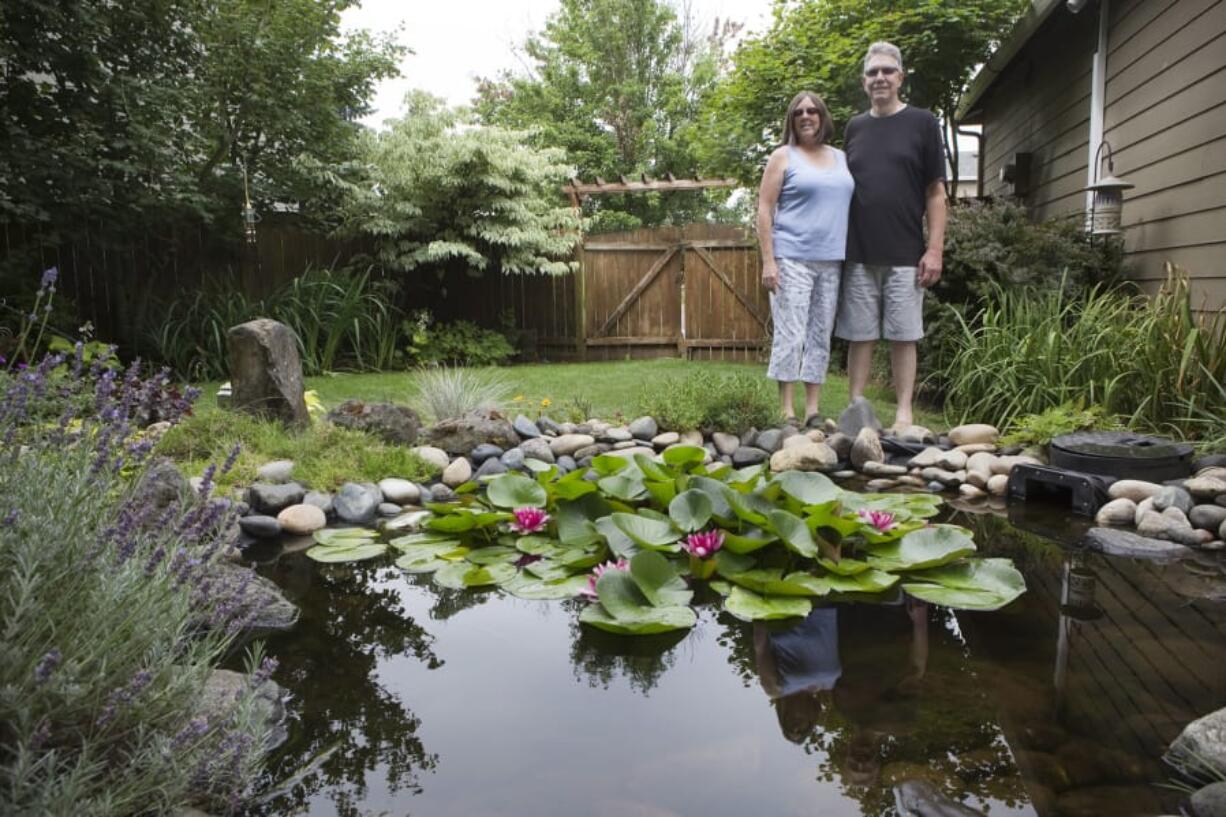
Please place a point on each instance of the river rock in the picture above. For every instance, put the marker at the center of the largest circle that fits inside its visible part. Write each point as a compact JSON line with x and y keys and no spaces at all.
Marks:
{"x":570,"y":443}
{"x":547,"y":426}
{"x":973,"y":433}
{"x":1205,"y":487}
{"x":491,"y":468}
{"x":769,"y":440}
{"x":275,"y":471}
{"x":876,"y":486}
{"x":798,"y":439}
{"x":162,"y":483}
{"x":841,"y":444}
{"x":916,"y":434}
{"x":971,"y":491}
{"x":627,"y":453}
{"x":813,"y":435}
{"x":271,"y":499}
{"x":458,"y":473}
{"x":513,"y":459}
{"x":691,"y":437}
{"x":393,"y":423}
{"x":948,"y":479}
{"x":433,"y":456}
{"x":927,"y":458}
{"x":460,"y":435}
{"x":748,"y":455}
{"x":624,"y":444}
{"x":954,"y":460}
{"x":260,"y":526}
{"x":525,"y":428}
{"x":975,"y":448}
{"x":357,"y":504}
{"x":1006,"y":464}
{"x":664,"y":440}
{"x":299,"y":520}
{"x":980,"y":464}
{"x":858,"y":415}
{"x":1143,"y":507}
{"x":644,"y":428}
{"x":1116,"y":542}
{"x":808,"y":457}
{"x":483,"y":452}
{"x":590,"y":451}
{"x":1117,"y":512}
{"x":1172,"y":496}
{"x":540,"y":449}
{"x":252,"y":594}
{"x":566,"y":464}
{"x":1134,"y":489}
{"x":998,"y":485}
{"x":617,"y":435}
{"x":266,"y":372}
{"x":866,"y":448}
{"x":319,"y":499}
{"x":881,"y":469}
{"x":400,"y":491}
{"x":220,"y":696}
{"x":725,"y":443}
{"x":1209,"y":801}
{"x":1204,"y":739}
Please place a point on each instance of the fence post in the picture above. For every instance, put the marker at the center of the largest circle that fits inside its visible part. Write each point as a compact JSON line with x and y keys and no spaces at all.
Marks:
{"x":580,"y":303}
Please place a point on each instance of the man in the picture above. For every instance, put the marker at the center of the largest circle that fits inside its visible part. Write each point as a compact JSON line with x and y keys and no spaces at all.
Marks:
{"x":896,"y":157}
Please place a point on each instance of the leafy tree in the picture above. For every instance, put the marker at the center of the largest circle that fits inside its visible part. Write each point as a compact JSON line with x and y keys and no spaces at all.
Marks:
{"x":438,"y":192}
{"x":617,"y":85}
{"x":820,"y":45}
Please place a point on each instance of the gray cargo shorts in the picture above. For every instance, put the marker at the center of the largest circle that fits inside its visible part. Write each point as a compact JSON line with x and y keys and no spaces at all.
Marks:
{"x":880,"y":302}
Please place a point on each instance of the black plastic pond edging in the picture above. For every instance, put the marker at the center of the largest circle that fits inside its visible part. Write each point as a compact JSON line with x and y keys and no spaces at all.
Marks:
{"x":1122,"y":455}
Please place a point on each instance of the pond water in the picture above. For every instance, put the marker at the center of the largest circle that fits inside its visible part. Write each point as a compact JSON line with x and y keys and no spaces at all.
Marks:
{"x":425,"y":701}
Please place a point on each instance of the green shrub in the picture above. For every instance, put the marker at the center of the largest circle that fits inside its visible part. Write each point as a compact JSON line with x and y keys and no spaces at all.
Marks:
{"x":1040,"y":429}
{"x":446,"y":393}
{"x":461,"y":343}
{"x":996,"y":244}
{"x":708,"y":401}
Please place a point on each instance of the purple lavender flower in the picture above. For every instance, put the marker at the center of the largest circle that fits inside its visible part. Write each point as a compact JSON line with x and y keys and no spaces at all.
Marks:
{"x":49,"y":278}
{"x":267,"y":667}
{"x":10,"y":518}
{"x":195,"y":729}
{"x":42,"y":735}
{"x":231,"y":458}
{"x":47,"y":666}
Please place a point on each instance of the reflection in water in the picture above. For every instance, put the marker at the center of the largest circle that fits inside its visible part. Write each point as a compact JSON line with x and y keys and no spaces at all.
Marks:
{"x":352,"y":618}
{"x":601,"y":658}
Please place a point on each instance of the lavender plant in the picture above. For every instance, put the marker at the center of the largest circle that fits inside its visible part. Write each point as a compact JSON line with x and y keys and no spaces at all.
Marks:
{"x":110,"y":622}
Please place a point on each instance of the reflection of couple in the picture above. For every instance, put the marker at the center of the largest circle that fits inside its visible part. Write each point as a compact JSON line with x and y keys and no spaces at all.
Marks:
{"x":801,"y":670}
{"x":819,"y":207}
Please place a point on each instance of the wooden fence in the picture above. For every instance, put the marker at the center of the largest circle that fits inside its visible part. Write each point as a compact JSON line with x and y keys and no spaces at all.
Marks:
{"x":688,"y":291}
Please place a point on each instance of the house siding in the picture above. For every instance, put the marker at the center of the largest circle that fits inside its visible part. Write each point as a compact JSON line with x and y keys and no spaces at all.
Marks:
{"x":1164,"y":116}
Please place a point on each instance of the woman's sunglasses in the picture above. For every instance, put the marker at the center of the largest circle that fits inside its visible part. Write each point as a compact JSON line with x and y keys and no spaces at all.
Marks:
{"x":806,"y":112}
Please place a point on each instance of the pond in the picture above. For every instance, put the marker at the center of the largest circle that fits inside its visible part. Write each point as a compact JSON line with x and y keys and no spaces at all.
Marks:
{"x":410,"y":699}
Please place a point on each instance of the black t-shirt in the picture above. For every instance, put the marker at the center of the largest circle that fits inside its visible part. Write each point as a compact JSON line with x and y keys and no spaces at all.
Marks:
{"x":893,"y":160}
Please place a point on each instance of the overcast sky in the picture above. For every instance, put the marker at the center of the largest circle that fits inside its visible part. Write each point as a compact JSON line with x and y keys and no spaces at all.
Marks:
{"x":455,"y":41}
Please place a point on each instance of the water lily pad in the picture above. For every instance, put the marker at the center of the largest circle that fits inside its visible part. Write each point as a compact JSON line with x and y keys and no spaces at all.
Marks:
{"x":749,"y":541}
{"x":540,"y":467}
{"x":662,"y":492}
{"x":729,"y":563}
{"x":772,"y":582}
{"x":548,"y":570}
{"x":650,"y":621}
{"x":461,"y":575}
{"x":530,"y":587}
{"x":651,"y":469}
{"x":658,"y":581}
{"x":682,"y":455}
{"x":844,"y":567}
{"x":809,"y":488}
{"x":924,"y":548}
{"x":690,"y":510}
{"x":575,"y":528}
{"x":421,"y":562}
{"x":794,"y":533}
{"x":413,"y":540}
{"x":343,"y":537}
{"x":346,"y":553}
{"x":515,"y":491}
{"x":972,"y":584}
{"x":715,"y":491}
{"x":494,"y":554}
{"x":608,"y":464}
{"x":647,"y":532}
{"x":457,"y":522}
{"x":868,"y":581}
{"x":567,"y":488}
{"x":535,"y":545}
{"x":749,"y":606}
{"x":749,"y":507}
{"x":626,"y":487}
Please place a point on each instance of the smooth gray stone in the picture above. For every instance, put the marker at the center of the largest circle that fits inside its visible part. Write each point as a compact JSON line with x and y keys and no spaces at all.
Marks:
{"x":388,"y":509}
{"x":748,"y":455}
{"x":1207,"y":517}
{"x":538,"y":449}
{"x":749,"y":437}
{"x":566,"y":464}
{"x":252,"y":592}
{"x":483,"y":452}
{"x":590,"y":475}
{"x":725,"y":443}
{"x":1172,"y":496}
{"x":617,"y":435}
{"x":276,"y":471}
{"x":769,"y":441}
{"x":356,"y":503}
{"x":390,"y":422}
{"x":548,"y":426}
{"x":513,"y":459}
{"x":841,"y":444}
{"x":1209,"y":801}
{"x":271,"y":499}
{"x":320,"y":500}
{"x":442,"y":493}
{"x":921,"y":798}
{"x":644,"y":428}
{"x":525,"y":428}
{"x":490,"y":468}
{"x":1209,"y":461}
{"x":266,"y":372}
{"x":726,"y":459}
{"x":859,"y":414}
{"x":590,"y":451}
{"x":1203,"y":741}
{"x":1116,"y":542}
{"x":260,"y":526}
{"x":219,"y":698}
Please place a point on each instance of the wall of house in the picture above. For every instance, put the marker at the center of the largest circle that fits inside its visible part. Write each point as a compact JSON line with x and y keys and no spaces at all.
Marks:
{"x":1164,"y":116}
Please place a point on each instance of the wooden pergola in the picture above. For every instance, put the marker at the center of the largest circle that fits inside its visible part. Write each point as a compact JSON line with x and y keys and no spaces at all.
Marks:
{"x":577,"y":189}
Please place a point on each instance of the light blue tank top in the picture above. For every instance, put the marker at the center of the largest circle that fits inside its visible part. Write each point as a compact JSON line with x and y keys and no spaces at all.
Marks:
{"x":811,"y":214}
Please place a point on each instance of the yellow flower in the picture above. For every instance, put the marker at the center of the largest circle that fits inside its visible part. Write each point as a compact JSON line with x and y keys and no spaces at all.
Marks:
{"x":546,"y":402}
{"x":517,"y":398}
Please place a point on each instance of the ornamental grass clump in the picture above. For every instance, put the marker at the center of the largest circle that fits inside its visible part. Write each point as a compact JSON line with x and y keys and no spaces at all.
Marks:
{"x":111,"y":619}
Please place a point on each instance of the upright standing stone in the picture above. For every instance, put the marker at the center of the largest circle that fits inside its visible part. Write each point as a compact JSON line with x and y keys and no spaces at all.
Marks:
{"x":266,"y":372}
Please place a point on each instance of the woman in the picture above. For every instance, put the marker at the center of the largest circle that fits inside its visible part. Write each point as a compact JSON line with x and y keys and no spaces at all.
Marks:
{"x":802,"y":231}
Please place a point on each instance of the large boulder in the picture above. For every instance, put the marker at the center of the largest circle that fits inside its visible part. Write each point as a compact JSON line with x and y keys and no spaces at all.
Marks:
{"x":858,"y":415}
{"x":462,"y":434}
{"x":390,"y":422}
{"x":1201,"y":746}
{"x":266,"y":372}
{"x":162,"y":484}
{"x":224,"y":688}
{"x":258,"y":603}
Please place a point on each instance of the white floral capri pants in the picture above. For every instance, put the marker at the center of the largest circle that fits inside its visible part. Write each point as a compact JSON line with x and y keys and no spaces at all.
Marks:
{"x":803,"y":308}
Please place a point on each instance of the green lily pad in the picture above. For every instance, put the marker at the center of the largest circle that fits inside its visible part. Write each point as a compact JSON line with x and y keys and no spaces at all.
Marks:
{"x":548,"y":570}
{"x":729,"y":563}
{"x":461,"y":575}
{"x":972,"y":584}
{"x":627,"y":487}
{"x":809,"y":488}
{"x":651,"y":469}
{"x":575,"y":528}
{"x":691,"y":510}
{"x":749,"y":507}
{"x":844,"y":567}
{"x":868,"y":581}
{"x":346,"y":553}
{"x":662,"y":492}
{"x":535,"y":545}
{"x":650,"y":621}
{"x":343,"y":537}
{"x":750,"y":606}
{"x":647,"y":532}
{"x":772,"y":582}
{"x":924,"y":548}
{"x":423,"y":562}
{"x":682,"y":455}
{"x":457,"y":522}
{"x":749,"y":541}
{"x":794,"y":533}
{"x":621,"y":544}
{"x":658,"y":581}
{"x":608,"y":464}
{"x":516,"y":491}
{"x":530,"y":587}
{"x":494,"y":554}
{"x":413,"y":540}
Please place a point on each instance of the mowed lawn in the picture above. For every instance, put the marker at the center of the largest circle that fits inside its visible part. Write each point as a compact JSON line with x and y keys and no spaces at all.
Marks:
{"x":610,"y":388}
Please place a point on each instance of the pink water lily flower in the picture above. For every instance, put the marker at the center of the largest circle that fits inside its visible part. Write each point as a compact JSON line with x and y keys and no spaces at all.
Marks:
{"x":598,"y":571}
{"x":529,"y":520}
{"x":881,"y":520}
{"x":704,"y":544}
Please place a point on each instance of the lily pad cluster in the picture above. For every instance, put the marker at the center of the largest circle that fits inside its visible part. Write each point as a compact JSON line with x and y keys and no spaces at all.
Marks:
{"x":638,"y":538}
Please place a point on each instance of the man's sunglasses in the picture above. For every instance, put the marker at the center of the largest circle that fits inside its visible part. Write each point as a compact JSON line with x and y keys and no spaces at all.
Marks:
{"x":885,"y":71}
{"x":806,"y":112}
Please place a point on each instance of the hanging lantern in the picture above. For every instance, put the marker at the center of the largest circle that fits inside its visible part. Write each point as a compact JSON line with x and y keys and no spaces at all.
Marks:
{"x":250,"y":216}
{"x":1107,"y":202}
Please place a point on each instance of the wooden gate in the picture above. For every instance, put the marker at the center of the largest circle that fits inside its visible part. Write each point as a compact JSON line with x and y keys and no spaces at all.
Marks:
{"x":690,"y":292}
